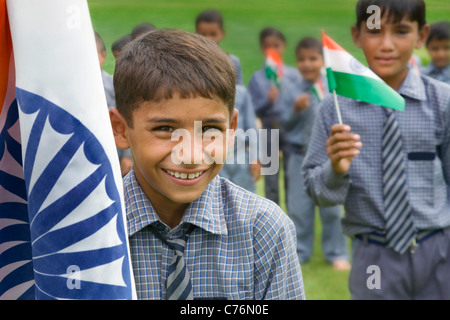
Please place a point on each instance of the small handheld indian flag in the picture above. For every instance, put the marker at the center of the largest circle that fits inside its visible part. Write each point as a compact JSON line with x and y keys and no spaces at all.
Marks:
{"x":318,"y":90}
{"x":349,"y":78}
{"x":414,"y":65}
{"x":274,"y":66}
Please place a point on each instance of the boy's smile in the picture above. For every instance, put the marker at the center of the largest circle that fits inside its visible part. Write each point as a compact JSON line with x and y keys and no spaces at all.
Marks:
{"x":170,"y":176}
{"x":388,"y":49}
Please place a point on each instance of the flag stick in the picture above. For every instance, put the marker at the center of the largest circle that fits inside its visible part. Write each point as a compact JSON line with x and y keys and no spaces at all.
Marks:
{"x":338,"y":111}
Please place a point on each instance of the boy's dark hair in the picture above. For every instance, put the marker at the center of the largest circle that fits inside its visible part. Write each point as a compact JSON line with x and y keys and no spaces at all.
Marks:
{"x":120,"y":43}
{"x":210,"y":16}
{"x":168,"y":62}
{"x":439,"y":31}
{"x":414,"y":10}
{"x":309,"y":43}
{"x":142,"y":28}
{"x":268,"y":32}
{"x":99,"y":42}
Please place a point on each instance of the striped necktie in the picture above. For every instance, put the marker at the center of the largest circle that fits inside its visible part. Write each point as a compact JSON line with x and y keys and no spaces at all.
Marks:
{"x":400,"y":231}
{"x":178,"y":282}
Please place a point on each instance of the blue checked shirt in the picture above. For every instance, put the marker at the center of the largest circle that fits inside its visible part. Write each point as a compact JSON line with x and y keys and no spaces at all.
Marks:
{"x":243,"y":246}
{"x":425,"y":129}
{"x":259,"y":86}
{"x":298,"y":124}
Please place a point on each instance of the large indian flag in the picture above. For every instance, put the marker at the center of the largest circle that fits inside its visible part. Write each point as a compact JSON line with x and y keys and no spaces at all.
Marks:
{"x":349,"y":78}
{"x":62,"y":215}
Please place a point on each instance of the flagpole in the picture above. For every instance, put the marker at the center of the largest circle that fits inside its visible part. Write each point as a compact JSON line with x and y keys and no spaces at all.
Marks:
{"x":338,"y":111}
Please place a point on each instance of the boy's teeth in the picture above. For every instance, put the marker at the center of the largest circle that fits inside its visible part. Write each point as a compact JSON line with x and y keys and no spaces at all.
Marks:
{"x":184,"y":175}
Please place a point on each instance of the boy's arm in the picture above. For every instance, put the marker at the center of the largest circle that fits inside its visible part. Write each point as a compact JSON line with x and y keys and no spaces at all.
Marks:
{"x":289,"y":116}
{"x":239,"y":75}
{"x":277,"y":272}
{"x":330,"y":152}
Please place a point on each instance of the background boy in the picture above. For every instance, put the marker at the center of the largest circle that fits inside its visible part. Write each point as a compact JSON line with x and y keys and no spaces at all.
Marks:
{"x":395,"y":188}
{"x":229,"y":243}
{"x":299,"y":106}
{"x":438,"y":47}
{"x":119,"y":44}
{"x":108,"y":85}
{"x":142,"y":28}
{"x":264,"y":98}
{"x":106,"y":77}
{"x":209,"y":23}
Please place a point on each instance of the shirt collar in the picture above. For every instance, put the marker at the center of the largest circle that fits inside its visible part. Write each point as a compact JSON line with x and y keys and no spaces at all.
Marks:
{"x":205,"y":212}
{"x":413,"y":86}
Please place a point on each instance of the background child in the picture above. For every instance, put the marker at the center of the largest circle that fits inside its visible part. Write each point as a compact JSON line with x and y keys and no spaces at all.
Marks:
{"x":119,"y":44}
{"x":264,"y":95}
{"x":124,"y":155}
{"x":391,"y":169}
{"x":438,"y":47}
{"x":299,"y":106}
{"x":226,"y":242}
{"x":106,"y":77}
{"x":209,"y":23}
{"x":240,"y":167}
{"x":142,"y":28}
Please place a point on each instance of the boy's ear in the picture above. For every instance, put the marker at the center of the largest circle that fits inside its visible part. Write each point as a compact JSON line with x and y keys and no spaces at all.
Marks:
{"x":423,"y":35}
{"x":233,"y":127}
{"x":120,"y":129}
{"x":356,"y":36}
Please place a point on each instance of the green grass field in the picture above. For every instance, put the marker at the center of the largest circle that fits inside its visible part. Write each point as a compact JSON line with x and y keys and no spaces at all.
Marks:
{"x":243,"y":21}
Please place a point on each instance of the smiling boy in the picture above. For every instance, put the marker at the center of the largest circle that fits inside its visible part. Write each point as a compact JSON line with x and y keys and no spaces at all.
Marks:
{"x":225,"y":242}
{"x":390,"y":169}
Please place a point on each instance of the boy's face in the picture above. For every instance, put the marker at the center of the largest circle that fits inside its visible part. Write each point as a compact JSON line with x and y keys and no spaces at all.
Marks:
{"x":439,"y":51}
{"x":388,"y":49}
{"x":174,"y":168}
{"x":210,"y":30}
{"x":309,"y":63}
{"x":101,"y":57}
{"x":274,"y":43}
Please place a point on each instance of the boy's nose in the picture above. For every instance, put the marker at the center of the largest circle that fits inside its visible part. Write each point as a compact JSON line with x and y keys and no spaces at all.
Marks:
{"x":387,"y":43}
{"x":195,"y":155}
{"x":189,"y":149}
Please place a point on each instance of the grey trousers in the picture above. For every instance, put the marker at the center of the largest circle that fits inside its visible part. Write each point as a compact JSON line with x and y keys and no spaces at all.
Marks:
{"x":381,"y":273}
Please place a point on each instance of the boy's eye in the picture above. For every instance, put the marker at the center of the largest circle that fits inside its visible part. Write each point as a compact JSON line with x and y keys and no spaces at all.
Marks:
{"x":164,"y":129}
{"x":211,"y":129}
{"x":402,"y":32}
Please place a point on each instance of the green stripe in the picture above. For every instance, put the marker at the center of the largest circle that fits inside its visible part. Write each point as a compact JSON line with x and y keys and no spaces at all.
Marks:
{"x":272,"y":76}
{"x":365,"y":89}
{"x":331,"y":80}
{"x":316,"y":93}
